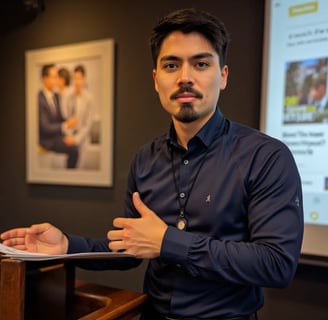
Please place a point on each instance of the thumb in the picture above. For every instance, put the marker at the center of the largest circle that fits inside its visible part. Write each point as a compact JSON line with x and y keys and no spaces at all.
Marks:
{"x":139,"y":205}
{"x":38,"y":228}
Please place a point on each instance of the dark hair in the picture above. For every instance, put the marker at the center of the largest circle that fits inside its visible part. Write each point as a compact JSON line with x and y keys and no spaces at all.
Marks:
{"x":318,"y":80}
{"x":80,"y":68}
{"x":187,"y":21}
{"x":64,"y":73}
{"x":45,"y":69}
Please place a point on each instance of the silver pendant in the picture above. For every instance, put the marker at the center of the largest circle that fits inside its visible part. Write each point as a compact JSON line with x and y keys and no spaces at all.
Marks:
{"x":181,"y":223}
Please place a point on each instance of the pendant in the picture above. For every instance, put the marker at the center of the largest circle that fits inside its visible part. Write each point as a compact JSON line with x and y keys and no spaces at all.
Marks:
{"x":181,"y":223}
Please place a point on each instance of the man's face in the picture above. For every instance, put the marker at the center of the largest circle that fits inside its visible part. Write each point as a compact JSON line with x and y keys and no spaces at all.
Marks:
{"x":61,"y":83}
{"x":50,"y":81}
{"x":78,"y":81}
{"x":318,"y":91}
{"x":188,"y":77}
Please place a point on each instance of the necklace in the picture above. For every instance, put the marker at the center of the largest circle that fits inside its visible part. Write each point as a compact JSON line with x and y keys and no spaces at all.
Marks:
{"x":182,"y":222}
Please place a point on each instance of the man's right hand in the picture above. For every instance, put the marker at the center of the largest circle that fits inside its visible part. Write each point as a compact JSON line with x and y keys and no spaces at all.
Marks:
{"x":69,"y":140}
{"x":38,"y":238}
{"x":71,"y":123}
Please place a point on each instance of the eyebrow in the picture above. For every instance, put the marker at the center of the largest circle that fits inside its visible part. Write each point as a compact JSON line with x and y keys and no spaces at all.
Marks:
{"x":194,"y":57}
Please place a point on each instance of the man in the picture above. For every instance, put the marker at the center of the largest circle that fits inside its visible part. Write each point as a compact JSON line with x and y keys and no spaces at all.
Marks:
{"x":80,"y":106}
{"x":215,"y":206}
{"x":52,"y":125}
{"x":64,"y":90}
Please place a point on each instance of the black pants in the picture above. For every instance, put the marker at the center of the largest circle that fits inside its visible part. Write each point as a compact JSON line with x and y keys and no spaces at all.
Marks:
{"x":71,"y":151}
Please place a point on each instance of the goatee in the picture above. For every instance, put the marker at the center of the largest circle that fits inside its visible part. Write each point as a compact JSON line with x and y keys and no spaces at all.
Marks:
{"x":187,"y":113}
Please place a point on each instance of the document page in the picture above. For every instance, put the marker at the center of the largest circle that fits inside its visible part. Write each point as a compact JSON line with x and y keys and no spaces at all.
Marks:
{"x":9,"y":252}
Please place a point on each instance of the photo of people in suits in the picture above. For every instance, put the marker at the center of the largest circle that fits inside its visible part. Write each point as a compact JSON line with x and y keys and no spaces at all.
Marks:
{"x":53,"y":128}
{"x":66,"y":115}
{"x":70,"y":114}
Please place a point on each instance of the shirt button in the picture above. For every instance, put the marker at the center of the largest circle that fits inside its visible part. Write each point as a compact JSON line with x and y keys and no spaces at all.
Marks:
{"x":186,"y":162}
{"x":182,"y":195}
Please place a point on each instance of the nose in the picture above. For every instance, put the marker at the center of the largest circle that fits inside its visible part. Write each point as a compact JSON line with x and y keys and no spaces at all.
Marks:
{"x":185,"y":75}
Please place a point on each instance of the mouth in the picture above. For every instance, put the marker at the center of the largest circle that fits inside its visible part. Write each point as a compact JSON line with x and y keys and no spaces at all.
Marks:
{"x":186,"y":97}
{"x":186,"y":94}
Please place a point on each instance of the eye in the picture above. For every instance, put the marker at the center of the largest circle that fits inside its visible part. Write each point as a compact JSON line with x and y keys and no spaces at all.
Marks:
{"x":170,"y":66}
{"x":201,"y":65}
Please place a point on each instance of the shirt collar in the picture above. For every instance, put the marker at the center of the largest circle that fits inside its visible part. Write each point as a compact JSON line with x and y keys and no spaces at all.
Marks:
{"x":213,"y":128}
{"x":49,"y":94}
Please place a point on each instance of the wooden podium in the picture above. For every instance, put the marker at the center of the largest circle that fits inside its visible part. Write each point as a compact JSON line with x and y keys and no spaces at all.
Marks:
{"x":48,"y":290}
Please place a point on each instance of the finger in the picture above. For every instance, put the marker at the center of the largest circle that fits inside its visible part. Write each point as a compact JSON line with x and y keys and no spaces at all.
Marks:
{"x":14,"y":242}
{"x":120,"y":222}
{"x":38,"y":228}
{"x":139,"y":205}
{"x":116,"y":246}
{"x":115,"y":235}
{"x":14,"y":233}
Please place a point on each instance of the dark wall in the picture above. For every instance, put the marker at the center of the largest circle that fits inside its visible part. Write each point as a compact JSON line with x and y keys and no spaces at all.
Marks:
{"x":138,"y":117}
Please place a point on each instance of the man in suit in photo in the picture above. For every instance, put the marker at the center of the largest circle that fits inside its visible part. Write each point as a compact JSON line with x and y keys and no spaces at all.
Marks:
{"x":53,"y":128}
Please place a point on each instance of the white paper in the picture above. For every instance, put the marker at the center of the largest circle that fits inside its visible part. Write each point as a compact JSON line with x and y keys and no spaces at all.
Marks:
{"x":9,"y":252}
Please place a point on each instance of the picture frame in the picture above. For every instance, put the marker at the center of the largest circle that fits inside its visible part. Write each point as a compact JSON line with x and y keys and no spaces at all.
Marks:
{"x":95,"y":155}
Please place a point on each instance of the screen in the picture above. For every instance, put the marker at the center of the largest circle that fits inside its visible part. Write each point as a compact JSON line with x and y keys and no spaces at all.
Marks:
{"x":295,"y":102}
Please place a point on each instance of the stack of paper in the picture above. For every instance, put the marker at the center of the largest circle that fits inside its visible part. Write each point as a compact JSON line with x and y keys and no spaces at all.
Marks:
{"x":30,"y":256}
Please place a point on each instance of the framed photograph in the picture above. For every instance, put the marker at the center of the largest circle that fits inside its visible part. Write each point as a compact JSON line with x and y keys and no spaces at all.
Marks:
{"x":69,"y":114}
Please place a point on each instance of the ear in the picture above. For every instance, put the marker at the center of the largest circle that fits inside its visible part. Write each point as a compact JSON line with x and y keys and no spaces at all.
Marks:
{"x":155,"y":80}
{"x":224,"y":77}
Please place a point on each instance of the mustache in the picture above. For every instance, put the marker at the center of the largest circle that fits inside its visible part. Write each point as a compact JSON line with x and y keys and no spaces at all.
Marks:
{"x":183,"y":89}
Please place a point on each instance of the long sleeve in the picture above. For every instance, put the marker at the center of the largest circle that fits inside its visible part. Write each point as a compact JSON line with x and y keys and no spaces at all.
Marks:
{"x":269,"y":255}
{"x":79,"y":244}
{"x":244,"y":217}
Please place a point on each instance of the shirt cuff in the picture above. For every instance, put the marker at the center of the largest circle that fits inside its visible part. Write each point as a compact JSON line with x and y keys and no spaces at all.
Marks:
{"x":175,"y":245}
{"x":77,"y":244}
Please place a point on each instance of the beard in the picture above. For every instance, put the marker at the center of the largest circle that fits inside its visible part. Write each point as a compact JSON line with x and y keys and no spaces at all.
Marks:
{"x":187,"y":113}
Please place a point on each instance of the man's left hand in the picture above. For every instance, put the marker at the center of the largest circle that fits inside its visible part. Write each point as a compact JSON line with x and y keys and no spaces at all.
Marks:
{"x":140,"y":236}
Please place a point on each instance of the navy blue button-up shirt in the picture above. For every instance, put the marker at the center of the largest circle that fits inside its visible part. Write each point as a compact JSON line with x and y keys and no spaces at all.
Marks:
{"x":242,"y":197}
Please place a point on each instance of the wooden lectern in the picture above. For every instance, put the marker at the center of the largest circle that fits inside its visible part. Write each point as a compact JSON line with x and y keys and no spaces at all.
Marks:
{"x":48,"y":290}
